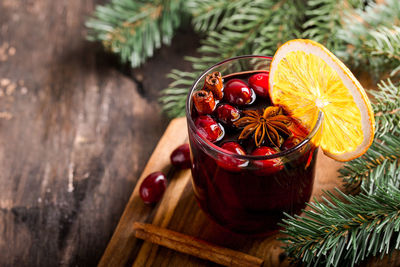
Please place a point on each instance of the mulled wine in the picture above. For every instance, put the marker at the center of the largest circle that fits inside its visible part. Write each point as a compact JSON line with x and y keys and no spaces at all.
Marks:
{"x":251,"y":161}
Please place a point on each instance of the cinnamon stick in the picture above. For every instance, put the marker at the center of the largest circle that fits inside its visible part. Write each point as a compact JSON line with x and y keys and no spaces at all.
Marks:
{"x":214,"y":84}
{"x":193,"y":246}
{"x":204,"y":102}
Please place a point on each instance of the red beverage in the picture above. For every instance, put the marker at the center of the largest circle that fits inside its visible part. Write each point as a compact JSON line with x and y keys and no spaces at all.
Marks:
{"x":243,"y":178}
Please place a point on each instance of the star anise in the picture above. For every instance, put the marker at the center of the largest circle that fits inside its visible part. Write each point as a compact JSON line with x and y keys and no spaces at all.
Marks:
{"x":270,"y":123}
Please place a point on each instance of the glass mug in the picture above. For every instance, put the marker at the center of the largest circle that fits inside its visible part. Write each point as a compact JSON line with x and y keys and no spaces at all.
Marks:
{"x":252,"y":200}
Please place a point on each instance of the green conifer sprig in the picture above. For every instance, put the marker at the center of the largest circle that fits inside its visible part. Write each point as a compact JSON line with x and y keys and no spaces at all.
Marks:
{"x":385,"y":44}
{"x":210,"y":15}
{"x":276,"y":33}
{"x":386,"y":108}
{"x":372,"y":37}
{"x":134,"y":29}
{"x":344,"y":232}
{"x":324,"y":20}
{"x":384,"y":153}
{"x":173,"y":100}
{"x":369,"y":170}
{"x":240,"y":31}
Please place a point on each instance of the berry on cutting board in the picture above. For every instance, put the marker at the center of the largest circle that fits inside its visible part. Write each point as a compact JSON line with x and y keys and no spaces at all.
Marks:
{"x":153,"y":187}
{"x":180,"y":157}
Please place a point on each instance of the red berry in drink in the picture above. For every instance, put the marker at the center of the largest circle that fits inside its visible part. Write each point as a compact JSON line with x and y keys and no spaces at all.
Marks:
{"x":292,"y":141}
{"x":180,"y":157}
{"x":259,"y":83}
{"x":231,"y":163}
{"x":227,"y":114}
{"x":237,"y":92}
{"x":208,"y":128}
{"x":267,"y":166}
{"x":298,"y":129}
{"x":153,"y":187}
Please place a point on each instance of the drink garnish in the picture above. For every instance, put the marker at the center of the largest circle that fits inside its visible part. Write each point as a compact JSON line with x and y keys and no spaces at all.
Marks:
{"x":270,"y":123}
{"x":214,"y":84}
{"x":204,"y":102}
{"x":306,"y":78}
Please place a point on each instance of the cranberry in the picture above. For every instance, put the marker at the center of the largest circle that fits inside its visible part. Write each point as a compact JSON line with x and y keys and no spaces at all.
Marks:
{"x":267,"y":166}
{"x":238,"y":92}
{"x":259,"y":83}
{"x":300,"y":154}
{"x":209,"y":128}
{"x":180,"y":157}
{"x":291,"y":142}
{"x":152,"y":188}
{"x":231,"y":163}
{"x":298,"y":129}
{"x":227,"y":114}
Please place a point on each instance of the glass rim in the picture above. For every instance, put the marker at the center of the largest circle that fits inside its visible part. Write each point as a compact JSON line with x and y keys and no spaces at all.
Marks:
{"x":218,"y":149}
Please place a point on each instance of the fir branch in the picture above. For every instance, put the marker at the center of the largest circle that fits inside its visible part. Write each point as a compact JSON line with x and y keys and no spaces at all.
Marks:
{"x":382,"y":42}
{"x":134,"y":29}
{"x":174,"y":97}
{"x":384,"y":154}
{"x":371,"y":170}
{"x":276,"y":32}
{"x":343,"y":233}
{"x":324,"y":20}
{"x":210,"y":15}
{"x":238,"y":34}
{"x":372,"y":40}
{"x":385,"y":43}
{"x":386,"y":108}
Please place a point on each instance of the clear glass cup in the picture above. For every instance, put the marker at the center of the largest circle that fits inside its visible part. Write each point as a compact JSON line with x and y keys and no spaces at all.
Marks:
{"x":253,"y":198}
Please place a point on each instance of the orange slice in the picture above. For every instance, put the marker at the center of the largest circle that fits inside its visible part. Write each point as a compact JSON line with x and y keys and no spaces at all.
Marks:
{"x":305,"y":78}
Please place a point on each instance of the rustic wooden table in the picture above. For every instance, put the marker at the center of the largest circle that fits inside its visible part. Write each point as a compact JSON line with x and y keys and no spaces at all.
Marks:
{"x":76,"y":129}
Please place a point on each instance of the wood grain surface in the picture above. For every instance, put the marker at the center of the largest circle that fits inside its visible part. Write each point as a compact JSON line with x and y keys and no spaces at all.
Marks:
{"x":178,"y":211}
{"x":75,"y":132}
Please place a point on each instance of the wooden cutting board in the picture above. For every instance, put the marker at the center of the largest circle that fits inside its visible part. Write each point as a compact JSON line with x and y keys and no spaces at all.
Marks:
{"x":178,"y":211}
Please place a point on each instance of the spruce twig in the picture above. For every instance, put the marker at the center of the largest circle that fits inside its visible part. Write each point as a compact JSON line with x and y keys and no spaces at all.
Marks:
{"x":372,"y":39}
{"x":134,"y":29}
{"x":343,"y":233}
{"x":384,"y":154}
{"x":369,"y":170}
{"x":324,"y":20}
{"x":386,"y":108}
{"x":211,"y":15}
